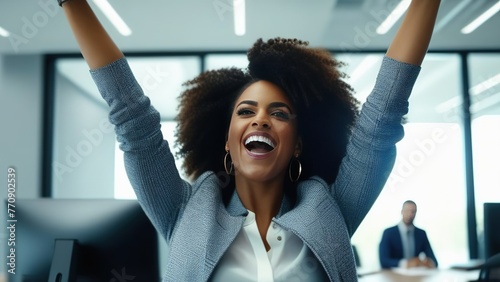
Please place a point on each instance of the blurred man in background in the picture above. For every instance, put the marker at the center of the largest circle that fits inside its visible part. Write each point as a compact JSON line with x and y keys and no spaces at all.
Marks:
{"x":404,"y":245}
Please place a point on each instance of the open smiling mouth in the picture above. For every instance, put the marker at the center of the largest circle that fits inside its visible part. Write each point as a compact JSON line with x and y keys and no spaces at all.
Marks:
{"x":259,"y":144}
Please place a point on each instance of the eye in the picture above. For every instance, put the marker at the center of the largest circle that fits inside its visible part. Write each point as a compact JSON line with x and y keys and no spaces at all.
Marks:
{"x":244,"y":112}
{"x":281,"y":115}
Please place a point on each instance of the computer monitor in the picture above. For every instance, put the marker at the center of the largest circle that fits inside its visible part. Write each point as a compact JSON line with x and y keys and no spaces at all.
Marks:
{"x":88,"y":239}
{"x":491,"y":229}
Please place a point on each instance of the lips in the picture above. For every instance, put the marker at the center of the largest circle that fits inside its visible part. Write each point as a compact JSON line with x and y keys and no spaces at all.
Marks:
{"x":259,"y":143}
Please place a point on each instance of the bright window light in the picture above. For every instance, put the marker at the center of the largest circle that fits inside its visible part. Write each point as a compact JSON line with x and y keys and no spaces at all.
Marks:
{"x":485,"y":103}
{"x":4,"y":32}
{"x":363,"y":67}
{"x":449,"y":104}
{"x":481,"y":19}
{"x":123,"y":188}
{"x":113,"y":17}
{"x":386,"y":25}
{"x":475,"y":90}
{"x":485,"y":85}
{"x":239,"y":17}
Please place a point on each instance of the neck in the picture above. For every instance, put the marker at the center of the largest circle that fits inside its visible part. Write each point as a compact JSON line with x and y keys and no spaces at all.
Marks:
{"x":408,"y":224}
{"x":262,"y":198}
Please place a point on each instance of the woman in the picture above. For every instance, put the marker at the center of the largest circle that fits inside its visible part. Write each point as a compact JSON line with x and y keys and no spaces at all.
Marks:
{"x":284,"y":169}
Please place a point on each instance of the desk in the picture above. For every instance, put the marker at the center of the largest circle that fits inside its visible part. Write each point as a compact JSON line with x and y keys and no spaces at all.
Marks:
{"x":435,"y":275}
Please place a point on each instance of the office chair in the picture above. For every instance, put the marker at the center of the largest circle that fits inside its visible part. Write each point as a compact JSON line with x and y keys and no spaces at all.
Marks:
{"x":490,"y":271}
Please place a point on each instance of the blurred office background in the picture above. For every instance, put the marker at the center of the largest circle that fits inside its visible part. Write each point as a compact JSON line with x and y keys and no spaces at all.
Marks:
{"x":55,"y":130}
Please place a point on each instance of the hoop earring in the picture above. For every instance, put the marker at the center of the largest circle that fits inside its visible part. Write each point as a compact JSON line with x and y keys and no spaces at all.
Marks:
{"x":230,"y":170}
{"x":299,"y":165}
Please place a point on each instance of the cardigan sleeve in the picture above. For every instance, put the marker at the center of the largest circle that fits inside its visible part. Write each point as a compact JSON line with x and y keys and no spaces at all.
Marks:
{"x":371,"y":150}
{"x":149,"y":162}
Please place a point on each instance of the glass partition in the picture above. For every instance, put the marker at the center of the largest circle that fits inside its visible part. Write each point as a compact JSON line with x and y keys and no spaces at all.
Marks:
{"x":85,"y":163}
{"x":485,"y":110}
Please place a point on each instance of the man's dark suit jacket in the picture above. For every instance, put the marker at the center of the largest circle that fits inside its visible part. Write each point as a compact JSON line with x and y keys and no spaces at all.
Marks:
{"x":391,"y":247}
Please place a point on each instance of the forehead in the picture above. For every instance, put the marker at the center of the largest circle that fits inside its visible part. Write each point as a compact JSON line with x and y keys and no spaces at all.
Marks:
{"x":264,"y":91}
{"x":409,"y":206}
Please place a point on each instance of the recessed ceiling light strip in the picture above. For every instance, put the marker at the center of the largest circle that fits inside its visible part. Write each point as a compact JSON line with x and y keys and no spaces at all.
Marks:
{"x":4,"y":32}
{"x":239,"y":17}
{"x":393,"y":17}
{"x":481,"y":19}
{"x":451,"y":15}
{"x":113,"y":17}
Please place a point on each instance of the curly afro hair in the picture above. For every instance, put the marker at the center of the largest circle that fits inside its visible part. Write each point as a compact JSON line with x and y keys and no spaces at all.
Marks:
{"x":310,"y":77}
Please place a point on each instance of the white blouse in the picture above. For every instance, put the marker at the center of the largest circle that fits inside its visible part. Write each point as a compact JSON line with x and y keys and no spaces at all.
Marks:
{"x":289,"y":259}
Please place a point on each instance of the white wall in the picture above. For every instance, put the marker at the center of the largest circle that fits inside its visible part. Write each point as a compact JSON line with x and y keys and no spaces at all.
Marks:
{"x":21,"y":130}
{"x":21,"y":121}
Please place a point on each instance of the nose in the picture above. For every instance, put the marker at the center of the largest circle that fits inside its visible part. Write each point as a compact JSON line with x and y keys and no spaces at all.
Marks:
{"x":261,"y":121}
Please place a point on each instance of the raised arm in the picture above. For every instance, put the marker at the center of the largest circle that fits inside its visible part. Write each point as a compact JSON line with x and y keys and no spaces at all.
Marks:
{"x":412,"y":39}
{"x":371,"y":152}
{"x":148,"y":160}
{"x":96,"y":45}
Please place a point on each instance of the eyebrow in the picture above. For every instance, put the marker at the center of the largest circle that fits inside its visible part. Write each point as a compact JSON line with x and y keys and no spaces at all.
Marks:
{"x":271,"y":105}
{"x":248,"y":102}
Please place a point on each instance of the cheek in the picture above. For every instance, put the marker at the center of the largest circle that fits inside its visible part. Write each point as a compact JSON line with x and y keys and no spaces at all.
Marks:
{"x":288,"y":133}
{"x":230,"y":138}
{"x":233,"y":136}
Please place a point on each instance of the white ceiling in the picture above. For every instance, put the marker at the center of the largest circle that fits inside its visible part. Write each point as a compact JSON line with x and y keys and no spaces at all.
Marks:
{"x":39,"y":27}
{"x":197,"y":25}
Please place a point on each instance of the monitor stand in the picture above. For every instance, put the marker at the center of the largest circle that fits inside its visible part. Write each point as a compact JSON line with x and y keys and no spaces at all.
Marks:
{"x":64,"y":261}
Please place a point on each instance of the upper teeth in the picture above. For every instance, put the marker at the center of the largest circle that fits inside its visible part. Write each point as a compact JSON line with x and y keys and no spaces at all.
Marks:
{"x":259,"y":138}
